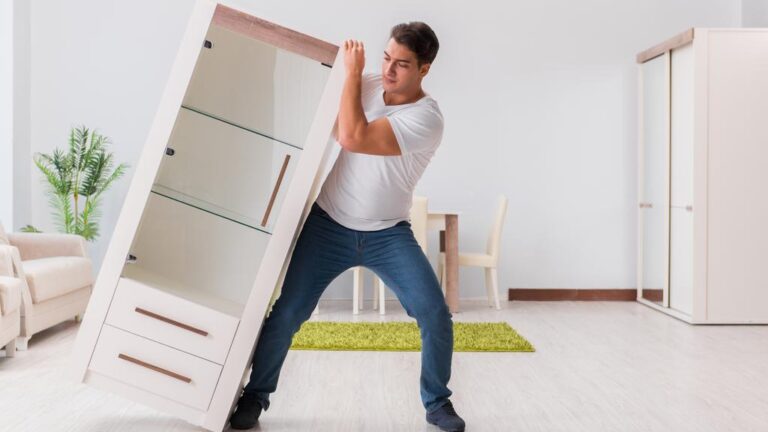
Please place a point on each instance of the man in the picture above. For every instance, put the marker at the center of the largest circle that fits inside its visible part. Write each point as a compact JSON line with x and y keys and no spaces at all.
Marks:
{"x":388,"y":128}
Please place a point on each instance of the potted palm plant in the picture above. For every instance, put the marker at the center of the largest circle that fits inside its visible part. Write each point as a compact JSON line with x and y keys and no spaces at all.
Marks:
{"x":76,"y":179}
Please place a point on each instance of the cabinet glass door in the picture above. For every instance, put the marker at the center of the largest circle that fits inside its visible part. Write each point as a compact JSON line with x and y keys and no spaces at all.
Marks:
{"x":654,"y":188}
{"x":257,"y":86}
{"x":226,"y":170}
{"x":235,"y":145}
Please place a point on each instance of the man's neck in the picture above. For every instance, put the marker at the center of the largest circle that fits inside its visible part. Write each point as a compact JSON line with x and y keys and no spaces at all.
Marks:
{"x":401,"y":99}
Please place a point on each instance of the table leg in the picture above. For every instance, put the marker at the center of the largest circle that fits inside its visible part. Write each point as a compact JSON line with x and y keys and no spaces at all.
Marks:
{"x":452,"y":262}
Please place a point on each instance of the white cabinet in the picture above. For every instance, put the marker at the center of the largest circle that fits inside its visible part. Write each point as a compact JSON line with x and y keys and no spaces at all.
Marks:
{"x":703,"y":153}
{"x":234,"y":159}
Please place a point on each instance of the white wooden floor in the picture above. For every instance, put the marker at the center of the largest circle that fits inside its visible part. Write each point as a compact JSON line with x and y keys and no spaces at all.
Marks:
{"x":599,"y":366}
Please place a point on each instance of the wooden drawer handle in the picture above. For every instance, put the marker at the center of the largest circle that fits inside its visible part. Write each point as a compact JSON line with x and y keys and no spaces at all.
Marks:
{"x":170,"y":321}
{"x":274,"y":191}
{"x":154,"y":368}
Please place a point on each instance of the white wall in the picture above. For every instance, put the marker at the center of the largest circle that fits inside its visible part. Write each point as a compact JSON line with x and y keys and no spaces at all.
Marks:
{"x":754,"y":13}
{"x":539,"y":100}
{"x":14,"y":113}
{"x":6,"y":112}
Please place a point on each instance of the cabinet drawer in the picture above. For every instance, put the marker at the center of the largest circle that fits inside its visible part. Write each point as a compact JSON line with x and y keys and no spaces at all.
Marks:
{"x":154,"y":367}
{"x":172,"y":320}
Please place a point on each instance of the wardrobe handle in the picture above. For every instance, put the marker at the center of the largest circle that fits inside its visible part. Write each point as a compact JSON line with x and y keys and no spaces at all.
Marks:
{"x":170,"y":321}
{"x":274,"y":191}
{"x":154,"y":368}
{"x":646,"y":205}
{"x":689,"y":208}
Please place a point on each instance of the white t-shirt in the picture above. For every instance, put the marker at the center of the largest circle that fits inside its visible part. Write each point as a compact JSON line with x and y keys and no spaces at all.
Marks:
{"x":369,"y":192}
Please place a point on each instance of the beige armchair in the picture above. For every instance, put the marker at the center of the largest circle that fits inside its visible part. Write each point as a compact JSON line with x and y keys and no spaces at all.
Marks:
{"x":57,"y":279}
{"x":10,"y":303}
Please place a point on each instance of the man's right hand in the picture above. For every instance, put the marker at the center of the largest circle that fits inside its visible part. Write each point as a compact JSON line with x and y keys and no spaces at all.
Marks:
{"x":354,"y":57}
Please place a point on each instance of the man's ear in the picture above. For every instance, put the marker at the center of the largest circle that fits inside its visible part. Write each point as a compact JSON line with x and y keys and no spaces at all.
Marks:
{"x":424,"y":69}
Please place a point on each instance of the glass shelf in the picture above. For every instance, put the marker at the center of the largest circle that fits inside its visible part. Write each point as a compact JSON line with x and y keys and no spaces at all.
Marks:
{"x":208,"y":207}
{"x":211,"y":116}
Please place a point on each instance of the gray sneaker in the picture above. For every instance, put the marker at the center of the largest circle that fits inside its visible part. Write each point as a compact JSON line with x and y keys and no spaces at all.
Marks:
{"x":446,"y":418}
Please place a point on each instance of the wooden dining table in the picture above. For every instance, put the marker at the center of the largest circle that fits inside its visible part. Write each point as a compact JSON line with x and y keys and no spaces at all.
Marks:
{"x":447,"y":222}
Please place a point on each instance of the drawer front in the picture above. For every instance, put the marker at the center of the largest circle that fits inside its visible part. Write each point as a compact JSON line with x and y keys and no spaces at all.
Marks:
{"x":154,"y":367}
{"x":172,"y":320}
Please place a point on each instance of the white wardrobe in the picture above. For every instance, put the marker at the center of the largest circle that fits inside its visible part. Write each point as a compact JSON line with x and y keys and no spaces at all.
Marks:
{"x":703,"y":176}
{"x":235,"y":156}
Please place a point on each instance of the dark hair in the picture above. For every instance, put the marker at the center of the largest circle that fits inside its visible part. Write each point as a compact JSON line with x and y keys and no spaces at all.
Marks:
{"x":417,"y":37}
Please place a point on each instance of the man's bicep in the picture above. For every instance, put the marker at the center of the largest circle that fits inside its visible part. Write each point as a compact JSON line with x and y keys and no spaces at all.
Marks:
{"x":417,"y":130}
{"x":378,"y":139}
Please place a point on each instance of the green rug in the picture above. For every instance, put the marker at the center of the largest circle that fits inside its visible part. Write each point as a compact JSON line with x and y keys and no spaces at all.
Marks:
{"x":404,"y":336}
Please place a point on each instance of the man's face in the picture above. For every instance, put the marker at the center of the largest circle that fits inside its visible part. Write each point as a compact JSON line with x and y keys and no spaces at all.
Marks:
{"x":400,"y":71}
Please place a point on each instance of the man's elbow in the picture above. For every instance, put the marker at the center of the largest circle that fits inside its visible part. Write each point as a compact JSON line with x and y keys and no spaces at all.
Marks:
{"x":349,"y":141}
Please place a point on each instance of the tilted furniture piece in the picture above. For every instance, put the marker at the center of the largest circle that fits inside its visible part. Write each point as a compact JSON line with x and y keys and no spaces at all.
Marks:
{"x":703,"y":153}
{"x":56,"y":276}
{"x":233,"y":161}
{"x":489,"y":260}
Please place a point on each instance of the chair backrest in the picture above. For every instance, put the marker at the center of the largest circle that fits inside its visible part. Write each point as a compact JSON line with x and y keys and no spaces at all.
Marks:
{"x":494,"y":239}
{"x":419,"y":220}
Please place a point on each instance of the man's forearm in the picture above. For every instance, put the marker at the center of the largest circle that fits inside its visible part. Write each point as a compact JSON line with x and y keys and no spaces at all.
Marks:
{"x":352,"y":121}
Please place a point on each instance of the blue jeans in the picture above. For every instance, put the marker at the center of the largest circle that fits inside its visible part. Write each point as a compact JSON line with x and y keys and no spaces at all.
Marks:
{"x":326,"y":249}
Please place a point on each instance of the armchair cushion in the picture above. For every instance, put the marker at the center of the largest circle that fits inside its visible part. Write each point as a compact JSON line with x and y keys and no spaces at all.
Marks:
{"x":10,"y":294}
{"x":42,"y":245}
{"x":55,"y":276}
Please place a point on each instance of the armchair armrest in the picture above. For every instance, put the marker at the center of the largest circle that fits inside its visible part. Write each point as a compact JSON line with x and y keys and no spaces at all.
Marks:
{"x":43,"y":245}
{"x":6,"y":260}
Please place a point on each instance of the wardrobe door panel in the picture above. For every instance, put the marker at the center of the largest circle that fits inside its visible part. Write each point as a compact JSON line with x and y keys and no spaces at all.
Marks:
{"x":681,"y":127}
{"x":654,"y":189}
{"x":681,"y":261}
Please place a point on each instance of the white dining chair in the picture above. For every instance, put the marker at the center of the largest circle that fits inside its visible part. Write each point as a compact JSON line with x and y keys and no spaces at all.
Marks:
{"x":488,"y":260}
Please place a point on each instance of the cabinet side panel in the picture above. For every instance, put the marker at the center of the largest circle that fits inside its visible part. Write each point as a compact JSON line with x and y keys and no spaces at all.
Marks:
{"x":141,"y":183}
{"x":700,"y":163}
{"x":737,"y":290}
